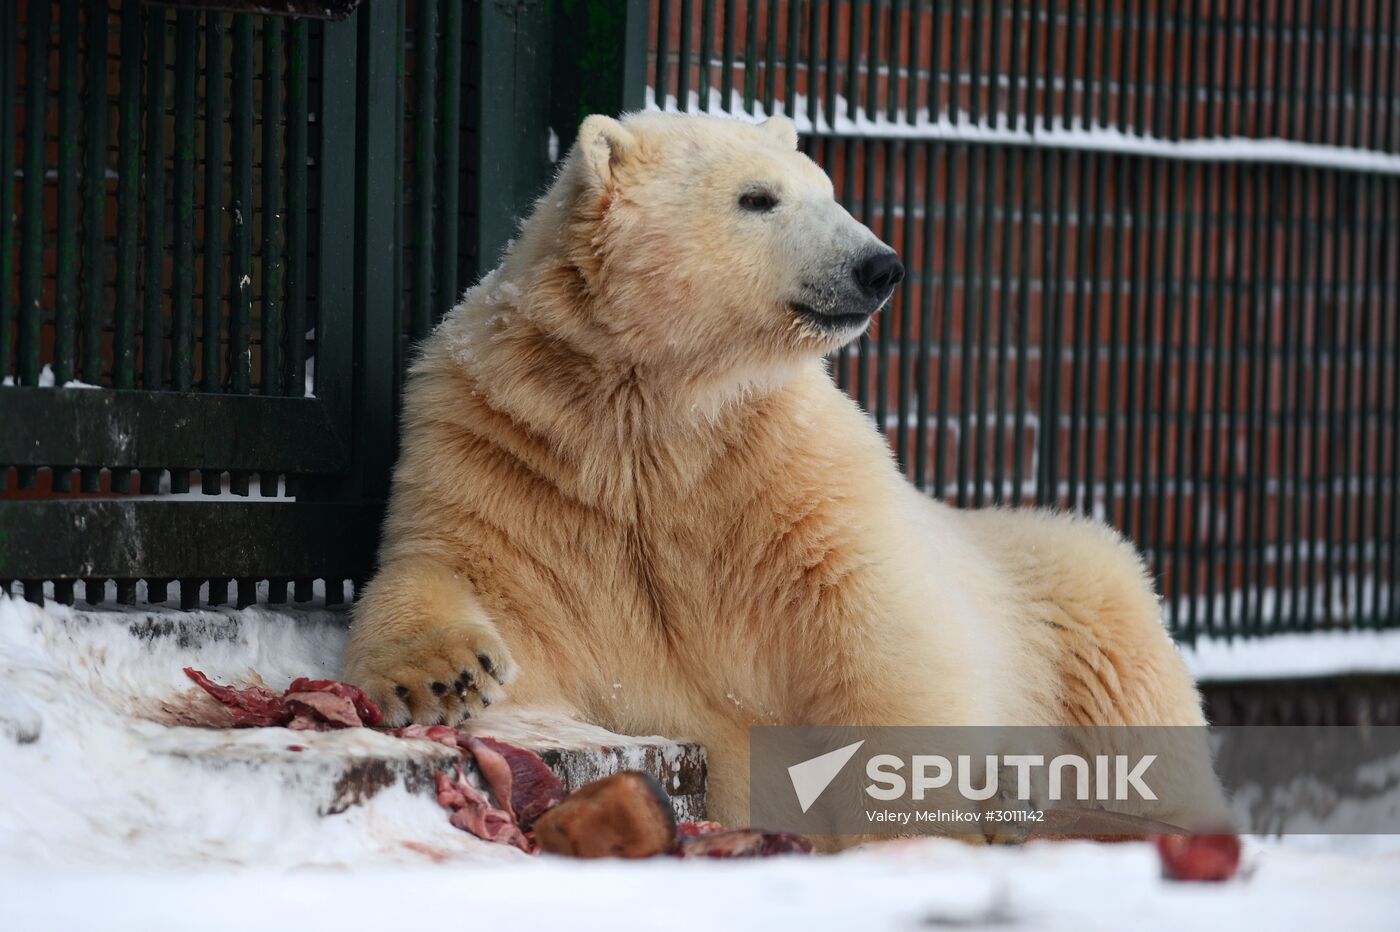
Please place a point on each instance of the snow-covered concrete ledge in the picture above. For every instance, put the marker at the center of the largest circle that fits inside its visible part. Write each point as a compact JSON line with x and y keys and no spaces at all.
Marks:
{"x":95,"y":766}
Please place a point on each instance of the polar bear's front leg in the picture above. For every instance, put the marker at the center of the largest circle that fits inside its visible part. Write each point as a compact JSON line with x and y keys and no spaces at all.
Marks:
{"x":422,"y":647}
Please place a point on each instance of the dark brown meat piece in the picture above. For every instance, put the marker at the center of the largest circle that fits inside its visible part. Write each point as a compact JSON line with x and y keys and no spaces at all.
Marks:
{"x":626,"y":815}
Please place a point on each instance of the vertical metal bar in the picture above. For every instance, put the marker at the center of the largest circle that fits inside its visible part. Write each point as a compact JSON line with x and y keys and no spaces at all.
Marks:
{"x":955,"y":14}
{"x":94,"y":206}
{"x":1115,"y":332}
{"x":707,"y":50}
{"x":1390,"y":206}
{"x":984,"y":328}
{"x":1386,"y":334}
{"x":1136,"y":426}
{"x":182,"y":198}
{"x":995,"y":70}
{"x":1151,"y":427}
{"x":9,"y":41}
{"x":182,"y":272}
{"x":1217,"y":200}
{"x":1238,"y":321}
{"x":892,"y":64}
{"x":1291,"y":312}
{"x":945,"y":345}
{"x":294,"y":378}
{"x":1307,"y":435}
{"x":967,"y":359}
{"x":1005,"y":166}
{"x":751,"y":57}
{"x":887,"y":225}
{"x":974,"y":70}
{"x":210,"y":338}
{"x":273,"y":336}
{"x":925,"y":376}
{"x":31,"y":243}
{"x":1019,"y":36}
{"x":726,"y":71}
{"x":1078,"y":332}
{"x":128,"y":200}
{"x":424,"y":203}
{"x":913,"y":285}
{"x":66,"y":268}
{"x":1024,"y":160}
{"x":770,"y":60}
{"x":1356,"y":403}
{"x":660,"y":79}
{"x":1207,"y":366}
{"x":683,"y":67}
{"x":1165,"y":382}
{"x":1256,"y":464}
{"x":1092,"y":335}
{"x":241,"y":223}
{"x":153,"y":292}
{"x":794,"y":41}
{"x":1339,"y":406}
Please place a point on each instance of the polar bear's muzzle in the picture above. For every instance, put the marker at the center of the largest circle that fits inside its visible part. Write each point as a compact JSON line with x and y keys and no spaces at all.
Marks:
{"x":845,"y":307}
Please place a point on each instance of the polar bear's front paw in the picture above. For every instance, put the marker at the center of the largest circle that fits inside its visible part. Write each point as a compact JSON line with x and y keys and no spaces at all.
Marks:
{"x":438,"y":677}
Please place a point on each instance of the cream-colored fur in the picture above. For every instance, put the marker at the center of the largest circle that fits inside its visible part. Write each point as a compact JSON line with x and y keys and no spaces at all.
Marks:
{"x":628,"y":484}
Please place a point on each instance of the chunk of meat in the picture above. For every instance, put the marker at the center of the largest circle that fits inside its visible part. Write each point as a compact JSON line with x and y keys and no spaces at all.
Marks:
{"x":626,"y":815}
{"x":473,"y":812}
{"x":366,"y":711}
{"x":1199,"y":857}
{"x":307,"y":705}
{"x":253,"y":706}
{"x":534,"y":789}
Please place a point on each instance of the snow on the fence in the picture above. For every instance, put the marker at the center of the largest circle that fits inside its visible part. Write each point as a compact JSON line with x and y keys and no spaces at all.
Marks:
{"x":1057,"y":135}
{"x":47,"y":379}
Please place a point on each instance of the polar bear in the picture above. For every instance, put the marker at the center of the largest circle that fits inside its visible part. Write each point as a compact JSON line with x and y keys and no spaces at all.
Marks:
{"x":629,"y":489}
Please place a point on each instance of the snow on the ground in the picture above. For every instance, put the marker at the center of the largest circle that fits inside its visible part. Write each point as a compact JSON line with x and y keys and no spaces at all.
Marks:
{"x":110,"y":818}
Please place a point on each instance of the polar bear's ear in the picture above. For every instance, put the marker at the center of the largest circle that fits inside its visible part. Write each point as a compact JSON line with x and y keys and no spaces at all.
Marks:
{"x":603,"y":144}
{"x":782,"y":129}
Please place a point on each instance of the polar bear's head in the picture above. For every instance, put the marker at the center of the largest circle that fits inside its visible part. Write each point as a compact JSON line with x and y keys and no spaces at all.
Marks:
{"x":699,"y":236}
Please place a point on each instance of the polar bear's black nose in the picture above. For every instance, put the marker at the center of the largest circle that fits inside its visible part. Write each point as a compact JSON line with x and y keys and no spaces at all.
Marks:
{"x":878,"y":274}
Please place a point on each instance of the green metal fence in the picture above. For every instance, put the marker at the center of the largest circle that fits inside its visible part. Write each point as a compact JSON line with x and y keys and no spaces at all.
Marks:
{"x":1152,"y":266}
{"x":1153,"y":269}
{"x":234,"y":227}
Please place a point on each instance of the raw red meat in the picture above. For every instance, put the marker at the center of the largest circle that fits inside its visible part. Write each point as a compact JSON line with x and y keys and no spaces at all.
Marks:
{"x":473,"y":812}
{"x":307,"y":705}
{"x":366,"y":711}
{"x":1199,"y":857}
{"x":533,"y":787}
{"x":253,"y":706}
{"x":693,"y":829}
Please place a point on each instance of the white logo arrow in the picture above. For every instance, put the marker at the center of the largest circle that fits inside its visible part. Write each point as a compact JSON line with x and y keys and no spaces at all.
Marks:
{"x":811,"y":777}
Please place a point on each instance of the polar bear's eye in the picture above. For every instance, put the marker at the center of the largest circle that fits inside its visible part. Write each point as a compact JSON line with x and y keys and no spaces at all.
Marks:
{"x":758,"y":201}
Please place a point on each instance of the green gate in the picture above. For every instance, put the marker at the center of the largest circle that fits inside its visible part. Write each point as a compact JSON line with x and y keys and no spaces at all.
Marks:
{"x":234,"y":227}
